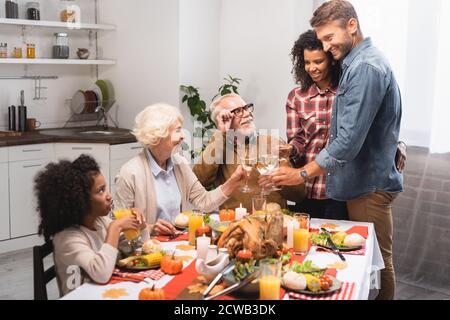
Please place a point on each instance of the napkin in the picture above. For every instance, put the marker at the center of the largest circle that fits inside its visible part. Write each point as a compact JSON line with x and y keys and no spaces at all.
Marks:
{"x":120,"y":276}
{"x":181,"y":237}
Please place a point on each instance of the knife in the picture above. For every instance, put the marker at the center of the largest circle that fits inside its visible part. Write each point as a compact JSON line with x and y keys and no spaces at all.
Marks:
{"x":235,"y":286}
{"x":332,"y":245}
{"x":228,"y":268}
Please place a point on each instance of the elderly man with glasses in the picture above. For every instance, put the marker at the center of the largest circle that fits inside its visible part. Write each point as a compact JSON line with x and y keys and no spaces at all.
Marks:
{"x":236,"y":135}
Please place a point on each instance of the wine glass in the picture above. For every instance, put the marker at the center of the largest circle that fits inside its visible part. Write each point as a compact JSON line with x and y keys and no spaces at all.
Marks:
{"x":281,"y":154}
{"x":262,"y":168}
{"x":284,"y":149}
{"x":272,"y":162}
{"x":247,"y":164}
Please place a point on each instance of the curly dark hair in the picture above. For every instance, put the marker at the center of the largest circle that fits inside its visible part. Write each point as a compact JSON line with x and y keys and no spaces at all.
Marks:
{"x":309,"y":41}
{"x":63,"y":192}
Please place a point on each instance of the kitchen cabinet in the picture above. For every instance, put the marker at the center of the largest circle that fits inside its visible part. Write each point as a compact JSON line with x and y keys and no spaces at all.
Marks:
{"x":99,"y":151}
{"x":4,"y":195}
{"x":24,"y":163}
{"x":18,"y":168}
{"x":119,"y":154}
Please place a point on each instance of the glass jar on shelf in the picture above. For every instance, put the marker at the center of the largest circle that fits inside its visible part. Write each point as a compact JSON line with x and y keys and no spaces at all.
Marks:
{"x":3,"y":50}
{"x":17,"y":53}
{"x":33,"y":11}
{"x":31,"y":51}
{"x":11,"y":9}
{"x":61,"y":46}
{"x":69,"y":11}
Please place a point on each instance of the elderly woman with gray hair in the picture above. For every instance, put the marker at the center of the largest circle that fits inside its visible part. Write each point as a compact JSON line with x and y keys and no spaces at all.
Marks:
{"x":160,"y":182}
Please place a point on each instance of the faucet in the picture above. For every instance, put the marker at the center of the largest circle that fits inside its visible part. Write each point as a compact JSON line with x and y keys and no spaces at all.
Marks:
{"x":103,"y":115}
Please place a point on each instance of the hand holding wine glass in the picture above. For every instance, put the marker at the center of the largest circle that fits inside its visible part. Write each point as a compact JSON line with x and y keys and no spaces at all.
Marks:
{"x":247,"y":164}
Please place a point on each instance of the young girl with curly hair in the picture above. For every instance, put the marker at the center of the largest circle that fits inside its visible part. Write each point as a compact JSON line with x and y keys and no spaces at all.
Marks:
{"x":73,"y":203}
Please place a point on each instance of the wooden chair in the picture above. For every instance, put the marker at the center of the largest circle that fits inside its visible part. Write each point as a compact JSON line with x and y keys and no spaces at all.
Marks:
{"x":41,"y":276}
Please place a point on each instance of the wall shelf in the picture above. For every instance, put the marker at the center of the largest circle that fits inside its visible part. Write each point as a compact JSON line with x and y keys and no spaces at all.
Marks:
{"x":57,"y":24}
{"x":57,"y":61}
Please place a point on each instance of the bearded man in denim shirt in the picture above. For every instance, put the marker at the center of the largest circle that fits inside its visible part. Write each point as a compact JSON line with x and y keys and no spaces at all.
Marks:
{"x":360,"y":157}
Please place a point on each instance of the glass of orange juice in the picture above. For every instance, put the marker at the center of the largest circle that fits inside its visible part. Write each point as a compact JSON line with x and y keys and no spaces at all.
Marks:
{"x":303,"y":220}
{"x":195,"y":221}
{"x":269,"y":280}
{"x":259,"y":204}
{"x":129,"y":234}
{"x":301,"y":241}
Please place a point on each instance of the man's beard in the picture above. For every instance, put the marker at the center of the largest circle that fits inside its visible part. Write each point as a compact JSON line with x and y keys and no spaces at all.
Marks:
{"x":247,"y":132}
{"x":345,"y":48}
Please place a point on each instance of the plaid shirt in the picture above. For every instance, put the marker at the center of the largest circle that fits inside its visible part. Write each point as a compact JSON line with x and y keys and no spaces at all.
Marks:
{"x":308,"y":125}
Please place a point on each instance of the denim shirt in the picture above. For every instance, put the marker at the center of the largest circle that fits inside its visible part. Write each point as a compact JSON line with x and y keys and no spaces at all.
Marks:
{"x":365,"y":125}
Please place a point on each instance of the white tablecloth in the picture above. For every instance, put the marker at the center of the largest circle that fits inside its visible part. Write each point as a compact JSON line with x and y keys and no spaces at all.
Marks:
{"x":362,"y":270}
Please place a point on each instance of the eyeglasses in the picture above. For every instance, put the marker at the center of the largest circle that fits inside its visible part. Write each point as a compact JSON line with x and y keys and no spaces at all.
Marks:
{"x":239,"y":112}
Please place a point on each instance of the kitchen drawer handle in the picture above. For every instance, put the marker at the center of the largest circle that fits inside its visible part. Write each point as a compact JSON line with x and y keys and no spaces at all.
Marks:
{"x":31,"y":150}
{"x":81,"y":148}
{"x":134,"y":148}
{"x":33,"y":166}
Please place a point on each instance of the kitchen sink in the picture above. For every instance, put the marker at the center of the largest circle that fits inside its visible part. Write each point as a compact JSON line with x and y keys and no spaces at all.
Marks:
{"x":93,"y":133}
{"x":103,"y":133}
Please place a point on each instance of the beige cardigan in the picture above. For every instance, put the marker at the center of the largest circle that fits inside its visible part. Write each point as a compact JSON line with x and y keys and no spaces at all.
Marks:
{"x":135,"y":187}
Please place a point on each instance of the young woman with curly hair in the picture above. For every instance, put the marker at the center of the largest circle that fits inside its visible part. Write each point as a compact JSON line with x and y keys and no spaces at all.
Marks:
{"x":309,"y":109}
{"x":73,"y":203}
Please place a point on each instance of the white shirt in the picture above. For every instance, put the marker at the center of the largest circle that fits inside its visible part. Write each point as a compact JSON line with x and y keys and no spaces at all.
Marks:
{"x":168,"y":196}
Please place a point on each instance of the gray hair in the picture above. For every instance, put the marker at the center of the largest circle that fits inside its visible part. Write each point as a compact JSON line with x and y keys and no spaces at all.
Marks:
{"x":152,"y":124}
{"x":215,"y":106}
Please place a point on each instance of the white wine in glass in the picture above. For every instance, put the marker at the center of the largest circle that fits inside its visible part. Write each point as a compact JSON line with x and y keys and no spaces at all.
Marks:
{"x":261,"y":166}
{"x":247,"y":164}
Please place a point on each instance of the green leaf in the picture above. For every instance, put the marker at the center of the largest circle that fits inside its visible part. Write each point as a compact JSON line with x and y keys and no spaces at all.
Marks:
{"x":225,"y":91}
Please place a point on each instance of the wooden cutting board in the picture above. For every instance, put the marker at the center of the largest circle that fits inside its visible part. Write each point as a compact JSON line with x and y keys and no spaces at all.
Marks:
{"x":10,"y":134}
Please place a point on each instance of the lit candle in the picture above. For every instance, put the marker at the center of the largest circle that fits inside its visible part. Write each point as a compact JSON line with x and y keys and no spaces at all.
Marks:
{"x":290,"y":234}
{"x":244,"y":255}
{"x":240,"y":212}
{"x":202,"y":246}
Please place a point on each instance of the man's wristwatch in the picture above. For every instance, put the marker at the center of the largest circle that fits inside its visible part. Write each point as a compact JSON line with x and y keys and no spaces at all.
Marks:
{"x":304,"y":175}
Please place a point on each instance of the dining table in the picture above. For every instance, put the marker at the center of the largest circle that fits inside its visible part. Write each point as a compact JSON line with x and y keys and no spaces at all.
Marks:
{"x":358,"y":275}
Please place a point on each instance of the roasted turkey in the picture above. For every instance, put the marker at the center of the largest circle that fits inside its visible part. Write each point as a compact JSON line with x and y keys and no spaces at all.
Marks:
{"x":262,"y":235}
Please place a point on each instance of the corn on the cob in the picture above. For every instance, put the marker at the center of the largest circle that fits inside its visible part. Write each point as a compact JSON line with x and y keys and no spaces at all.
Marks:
{"x":153,"y":259}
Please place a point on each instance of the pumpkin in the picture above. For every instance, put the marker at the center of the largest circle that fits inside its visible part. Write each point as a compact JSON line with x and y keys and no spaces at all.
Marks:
{"x":227,"y":215}
{"x":152,"y":294}
{"x":203,"y":230}
{"x":171,"y":265}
